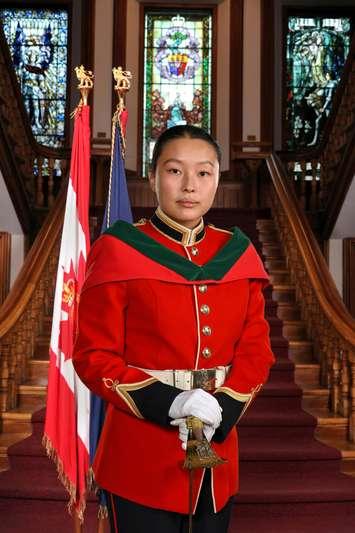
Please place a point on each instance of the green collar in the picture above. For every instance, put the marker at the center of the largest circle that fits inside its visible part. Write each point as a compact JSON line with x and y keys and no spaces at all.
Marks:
{"x":214,"y":269}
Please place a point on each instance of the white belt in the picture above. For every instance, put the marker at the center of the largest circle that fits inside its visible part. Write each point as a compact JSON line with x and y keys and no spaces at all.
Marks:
{"x":205,"y":378}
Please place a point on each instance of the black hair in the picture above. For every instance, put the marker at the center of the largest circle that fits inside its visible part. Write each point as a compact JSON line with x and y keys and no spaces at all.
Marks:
{"x":180,"y":132}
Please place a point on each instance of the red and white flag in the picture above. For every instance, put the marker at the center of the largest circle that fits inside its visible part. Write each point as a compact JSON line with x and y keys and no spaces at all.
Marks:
{"x":66,"y":432}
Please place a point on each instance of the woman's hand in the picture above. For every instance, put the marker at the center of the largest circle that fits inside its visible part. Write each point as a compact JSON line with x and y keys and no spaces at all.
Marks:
{"x":199,"y":403}
{"x":184,"y":432}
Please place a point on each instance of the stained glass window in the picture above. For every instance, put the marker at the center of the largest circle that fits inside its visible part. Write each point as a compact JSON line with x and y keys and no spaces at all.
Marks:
{"x":177,"y":73}
{"x":316,"y":51}
{"x":38,"y":42}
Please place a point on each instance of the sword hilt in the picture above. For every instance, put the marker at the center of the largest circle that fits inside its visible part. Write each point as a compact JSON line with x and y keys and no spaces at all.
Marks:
{"x":199,"y":453}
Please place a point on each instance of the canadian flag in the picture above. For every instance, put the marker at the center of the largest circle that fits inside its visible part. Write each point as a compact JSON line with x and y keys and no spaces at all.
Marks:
{"x":66,"y":432}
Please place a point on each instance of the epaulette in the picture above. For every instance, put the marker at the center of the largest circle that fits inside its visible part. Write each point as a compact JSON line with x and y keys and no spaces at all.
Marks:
{"x":140,"y":222}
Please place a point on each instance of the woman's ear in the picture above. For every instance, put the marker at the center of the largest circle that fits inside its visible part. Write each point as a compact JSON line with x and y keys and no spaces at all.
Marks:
{"x":151,"y":177}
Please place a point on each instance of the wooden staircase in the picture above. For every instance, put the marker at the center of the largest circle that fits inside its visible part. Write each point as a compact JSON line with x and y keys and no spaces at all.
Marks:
{"x":331,"y":429}
{"x":16,"y":424}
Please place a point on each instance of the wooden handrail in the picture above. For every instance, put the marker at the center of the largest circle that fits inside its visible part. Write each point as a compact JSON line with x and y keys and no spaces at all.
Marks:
{"x":328,"y":322}
{"x":32,"y":268}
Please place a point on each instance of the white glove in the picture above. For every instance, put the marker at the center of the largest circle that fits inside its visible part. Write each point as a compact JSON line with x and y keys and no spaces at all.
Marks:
{"x":199,"y":403}
{"x":184,"y":432}
{"x":208,"y":432}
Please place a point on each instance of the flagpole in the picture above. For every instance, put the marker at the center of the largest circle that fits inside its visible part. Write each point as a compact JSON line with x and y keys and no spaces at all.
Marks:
{"x":85,"y":86}
{"x":119,"y":120}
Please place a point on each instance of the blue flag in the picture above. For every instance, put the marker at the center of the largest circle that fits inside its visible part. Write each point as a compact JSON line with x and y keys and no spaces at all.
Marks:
{"x":117,"y":208}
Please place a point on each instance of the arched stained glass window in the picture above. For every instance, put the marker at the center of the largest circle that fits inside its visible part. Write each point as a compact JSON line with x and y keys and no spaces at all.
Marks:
{"x":316,"y":51}
{"x":38,"y":42}
{"x":177,"y":73}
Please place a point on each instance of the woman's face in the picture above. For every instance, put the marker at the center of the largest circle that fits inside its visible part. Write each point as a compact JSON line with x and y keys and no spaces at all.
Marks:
{"x":186,"y":179}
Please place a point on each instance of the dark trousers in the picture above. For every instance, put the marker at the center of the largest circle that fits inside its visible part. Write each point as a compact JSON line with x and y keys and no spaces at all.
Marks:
{"x":129,"y":517}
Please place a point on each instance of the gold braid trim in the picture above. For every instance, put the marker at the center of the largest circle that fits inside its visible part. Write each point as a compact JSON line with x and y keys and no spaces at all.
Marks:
{"x":69,"y":486}
{"x":246,"y":398}
{"x":123,"y":391}
{"x":241,"y":397}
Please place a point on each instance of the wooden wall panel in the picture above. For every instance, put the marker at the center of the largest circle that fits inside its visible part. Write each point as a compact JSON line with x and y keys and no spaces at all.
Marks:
{"x":349,"y":274}
{"x":5,"y":257}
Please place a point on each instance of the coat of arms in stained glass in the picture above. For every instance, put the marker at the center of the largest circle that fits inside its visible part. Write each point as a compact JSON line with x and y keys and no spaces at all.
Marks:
{"x":316,"y":51}
{"x":38,"y":42}
{"x":177,"y":73}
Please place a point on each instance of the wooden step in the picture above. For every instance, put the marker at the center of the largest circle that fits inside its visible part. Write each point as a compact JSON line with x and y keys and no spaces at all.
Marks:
{"x":315,"y":397}
{"x":294,"y":329}
{"x":307,"y":374}
{"x":7,"y":440}
{"x":279,"y":277}
{"x":32,"y":394}
{"x":42,"y":347}
{"x":301,"y":351}
{"x":268,"y":235}
{"x":273,"y":250}
{"x":47,"y":326}
{"x":18,"y":420}
{"x":328,"y":424}
{"x":265,"y":223}
{"x":346,"y":448}
{"x":283,"y":293}
{"x":288,"y":311}
{"x":38,"y":368}
{"x":272,"y":264}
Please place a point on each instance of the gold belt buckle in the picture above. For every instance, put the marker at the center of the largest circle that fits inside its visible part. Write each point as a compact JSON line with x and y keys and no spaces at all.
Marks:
{"x":204,"y":379}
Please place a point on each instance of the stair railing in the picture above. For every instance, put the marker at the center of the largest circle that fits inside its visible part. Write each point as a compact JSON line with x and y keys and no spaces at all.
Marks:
{"x":315,"y":171}
{"x":329,"y":324}
{"x":30,"y":300}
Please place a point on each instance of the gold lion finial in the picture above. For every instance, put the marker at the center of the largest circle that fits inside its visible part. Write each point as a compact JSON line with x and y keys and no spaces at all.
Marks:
{"x":122,"y":85}
{"x":85,"y":78}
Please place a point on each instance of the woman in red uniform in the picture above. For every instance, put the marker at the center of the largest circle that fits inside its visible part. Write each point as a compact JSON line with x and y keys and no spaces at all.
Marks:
{"x":171,"y":324}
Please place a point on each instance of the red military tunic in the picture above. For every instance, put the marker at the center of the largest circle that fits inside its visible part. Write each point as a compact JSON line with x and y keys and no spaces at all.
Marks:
{"x":160,"y":296}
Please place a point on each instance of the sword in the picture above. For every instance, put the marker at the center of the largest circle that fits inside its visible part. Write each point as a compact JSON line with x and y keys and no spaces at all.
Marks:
{"x":199,"y":454}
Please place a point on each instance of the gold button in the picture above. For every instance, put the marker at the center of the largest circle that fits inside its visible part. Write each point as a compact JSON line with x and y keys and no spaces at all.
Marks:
{"x":206,"y":352}
{"x":205,"y":309}
{"x":202,"y":288}
{"x":194,"y":250}
{"x":206,"y":330}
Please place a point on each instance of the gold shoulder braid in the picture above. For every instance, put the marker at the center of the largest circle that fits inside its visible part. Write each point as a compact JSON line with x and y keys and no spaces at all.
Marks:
{"x":140,"y":222}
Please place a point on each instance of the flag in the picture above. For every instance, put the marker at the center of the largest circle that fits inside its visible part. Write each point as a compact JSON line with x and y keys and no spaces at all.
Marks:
{"x":117,"y":208}
{"x":66,"y":431}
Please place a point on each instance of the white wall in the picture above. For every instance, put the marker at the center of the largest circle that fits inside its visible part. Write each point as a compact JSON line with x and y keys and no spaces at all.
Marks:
{"x":335,"y":262}
{"x":251,"y":69}
{"x":344,"y":228}
{"x":223,"y":81}
{"x":132,"y":101}
{"x":10,"y":223}
{"x":103,"y":81}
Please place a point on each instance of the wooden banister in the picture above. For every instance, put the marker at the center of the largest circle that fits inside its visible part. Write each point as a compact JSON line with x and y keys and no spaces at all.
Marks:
{"x":5,"y":256}
{"x":329,"y":323}
{"x":29,"y":301}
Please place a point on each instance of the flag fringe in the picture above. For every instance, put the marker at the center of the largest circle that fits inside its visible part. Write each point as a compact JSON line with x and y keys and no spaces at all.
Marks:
{"x":63,"y":478}
{"x":92,"y":485}
{"x":103,"y":512}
